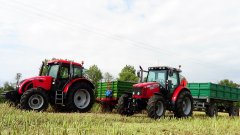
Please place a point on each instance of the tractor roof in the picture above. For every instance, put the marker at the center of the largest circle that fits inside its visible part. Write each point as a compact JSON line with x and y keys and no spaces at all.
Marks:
{"x":164,"y":68}
{"x":64,"y":61}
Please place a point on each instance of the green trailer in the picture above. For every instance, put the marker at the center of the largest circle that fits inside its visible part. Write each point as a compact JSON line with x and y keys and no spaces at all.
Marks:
{"x":214,"y":98}
{"x":108,"y":93}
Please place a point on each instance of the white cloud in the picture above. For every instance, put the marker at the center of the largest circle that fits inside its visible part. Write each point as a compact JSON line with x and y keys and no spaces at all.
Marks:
{"x":202,"y":36}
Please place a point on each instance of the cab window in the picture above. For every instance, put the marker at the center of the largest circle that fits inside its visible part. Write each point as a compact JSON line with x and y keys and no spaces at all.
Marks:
{"x":157,"y":76}
{"x":64,"y":72}
{"x":53,"y":70}
{"x":174,"y":79}
{"x":77,"y":71}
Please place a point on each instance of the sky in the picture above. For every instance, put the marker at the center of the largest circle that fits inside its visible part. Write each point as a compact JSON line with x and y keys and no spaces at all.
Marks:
{"x":202,"y":36}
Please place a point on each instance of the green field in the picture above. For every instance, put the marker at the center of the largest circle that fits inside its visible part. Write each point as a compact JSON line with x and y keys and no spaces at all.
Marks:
{"x":15,"y":121}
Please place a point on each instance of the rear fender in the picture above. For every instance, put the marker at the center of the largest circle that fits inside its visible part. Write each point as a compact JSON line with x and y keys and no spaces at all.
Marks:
{"x":177,"y":92}
{"x":75,"y":81}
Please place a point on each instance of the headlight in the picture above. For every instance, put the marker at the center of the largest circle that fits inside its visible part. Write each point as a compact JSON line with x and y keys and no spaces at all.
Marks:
{"x":138,"y":93}
{"x":133,"y":93}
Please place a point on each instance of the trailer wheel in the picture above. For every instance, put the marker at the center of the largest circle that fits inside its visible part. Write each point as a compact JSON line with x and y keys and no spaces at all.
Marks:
{"x":34,"y":99}
{"x":124,"y":106}
{"x":233,"y":111}
{"x":156,"y":107}
{"x":184,"y":105}
{"x":80,"y":98}
{"x":212,"y":110}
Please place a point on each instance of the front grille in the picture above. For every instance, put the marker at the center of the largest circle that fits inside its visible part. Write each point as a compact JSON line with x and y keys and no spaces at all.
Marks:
{"x":137,"y":90}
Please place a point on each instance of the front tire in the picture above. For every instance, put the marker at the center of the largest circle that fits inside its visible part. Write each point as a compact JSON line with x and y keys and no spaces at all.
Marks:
{"x":80,"y":98}
{"x":34,"y":99}
{"x":124,"y":106}
{"x":184,"y":105}
{"x":156,"y":107}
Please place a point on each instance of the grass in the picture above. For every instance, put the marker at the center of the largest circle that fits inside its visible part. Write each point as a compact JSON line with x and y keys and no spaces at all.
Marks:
{"x":15,"y":121}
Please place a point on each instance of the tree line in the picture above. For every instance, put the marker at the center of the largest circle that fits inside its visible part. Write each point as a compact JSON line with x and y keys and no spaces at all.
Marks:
{"x":93,"y":73}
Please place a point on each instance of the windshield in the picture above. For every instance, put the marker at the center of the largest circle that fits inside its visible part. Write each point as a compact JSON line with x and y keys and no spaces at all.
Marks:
{"x":53,"y":70}
{"x":157,"y":76}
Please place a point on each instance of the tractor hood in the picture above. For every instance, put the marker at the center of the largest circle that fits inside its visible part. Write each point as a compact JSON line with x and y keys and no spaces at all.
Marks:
{"x":145,"y":90}
{"x":44,"y":82}
{"x":146,"y":84}
{"x":36,"y":78}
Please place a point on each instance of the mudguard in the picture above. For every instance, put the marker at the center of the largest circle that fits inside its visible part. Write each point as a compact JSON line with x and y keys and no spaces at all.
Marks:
{"x":71,"y":83}
{"x":177,"y":91}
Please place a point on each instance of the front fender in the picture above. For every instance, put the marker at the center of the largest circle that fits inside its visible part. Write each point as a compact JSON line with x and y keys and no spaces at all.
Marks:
{"x":24,"y":86}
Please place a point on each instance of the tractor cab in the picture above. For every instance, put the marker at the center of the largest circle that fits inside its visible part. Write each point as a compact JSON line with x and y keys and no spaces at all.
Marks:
{"x":62,"y":72}
{"x":167,"y":77}
{"x":62,"y":69}
{"x":159,"y":79}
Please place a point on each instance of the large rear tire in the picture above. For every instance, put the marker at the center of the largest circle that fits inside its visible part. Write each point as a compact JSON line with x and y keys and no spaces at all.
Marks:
{"x":80,"y":98}
{"x":156,"y":107}
{"x":124,"y":106}
{"x":34,"y":99}
{"x":184,"y":105}
{"x":212,"y":110}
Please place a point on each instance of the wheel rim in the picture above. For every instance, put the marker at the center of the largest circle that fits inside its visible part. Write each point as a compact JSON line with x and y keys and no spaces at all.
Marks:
{"x":36,"y":101}
{"x":186,"y":106}
{"x":81,"y":98}
{"x":159,"y":109}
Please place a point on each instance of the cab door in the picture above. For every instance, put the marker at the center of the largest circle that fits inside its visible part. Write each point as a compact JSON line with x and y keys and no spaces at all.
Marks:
{"x":174,"y":78}
{"x":63,"y":76}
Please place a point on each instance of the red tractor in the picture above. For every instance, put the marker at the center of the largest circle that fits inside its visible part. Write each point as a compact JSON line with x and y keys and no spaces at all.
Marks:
{"x":63,"y":86}
{"x":163,"y":89}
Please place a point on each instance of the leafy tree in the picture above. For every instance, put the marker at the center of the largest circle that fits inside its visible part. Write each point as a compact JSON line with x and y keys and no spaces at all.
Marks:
{"x":1,"y":89}
{"x":7,"y":86}
{"x":229,"y":83}
{"x":128,"y":73}
{"x":44,"y":71}
{"x":107,"y":77}
{"x":94,"y":74}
